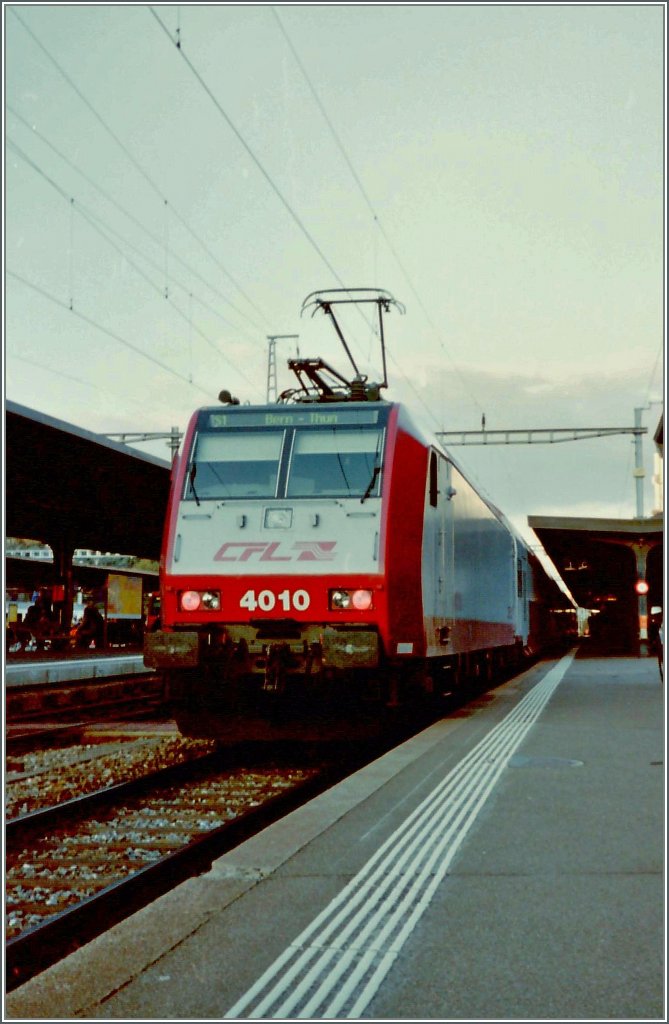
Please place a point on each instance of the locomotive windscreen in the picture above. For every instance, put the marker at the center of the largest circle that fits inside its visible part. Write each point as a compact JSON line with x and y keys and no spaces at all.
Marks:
{"x":334,"y":463}
{"x":235,"y":464}
{"x":296,"y":454}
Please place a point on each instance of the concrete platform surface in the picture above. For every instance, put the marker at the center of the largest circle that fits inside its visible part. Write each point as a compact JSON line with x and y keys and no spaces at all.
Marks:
{"x":59,"y":667}
{"x":507,"y":863}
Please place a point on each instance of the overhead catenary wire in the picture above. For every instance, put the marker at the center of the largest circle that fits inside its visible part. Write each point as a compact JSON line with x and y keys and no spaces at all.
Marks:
{"x":170,"y":300}
{"x":138,"y":167}
{"x":173,"y":253}
{"x":369,"y":204}
{"x":96,"y":225}
{"x":378,"y":222}
{"x":268,"y":178}
{"x":298,"y":221}
{"x":105,"y":233}
{"x":385,"y":234}
{"x":95,"y":385}
{"x":105,"y":330}
{"x":150,"y":181}
{"x":175,"y":282}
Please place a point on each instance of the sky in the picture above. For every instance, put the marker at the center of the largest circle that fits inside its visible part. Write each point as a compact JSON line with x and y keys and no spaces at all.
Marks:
{"x":179,"y":179}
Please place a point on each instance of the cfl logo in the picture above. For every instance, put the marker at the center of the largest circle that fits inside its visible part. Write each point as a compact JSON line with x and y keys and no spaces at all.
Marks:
{"x":300,"y":551}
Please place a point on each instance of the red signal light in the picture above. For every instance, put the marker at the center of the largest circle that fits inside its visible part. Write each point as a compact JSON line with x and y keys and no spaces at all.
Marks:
{"x":641,"y":587}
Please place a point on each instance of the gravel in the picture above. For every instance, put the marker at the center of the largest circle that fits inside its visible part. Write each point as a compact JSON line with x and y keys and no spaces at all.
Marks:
{"x":51,"y":777}
{"x":64,"y":868}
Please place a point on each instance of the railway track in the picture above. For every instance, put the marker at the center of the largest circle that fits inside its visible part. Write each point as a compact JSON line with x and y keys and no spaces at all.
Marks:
{"x":23,"y":738}
{"x":74,"y":870}
{"x":41,"y":701}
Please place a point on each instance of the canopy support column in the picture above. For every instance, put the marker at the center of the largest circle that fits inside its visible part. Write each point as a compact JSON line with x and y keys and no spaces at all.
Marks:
{"x":63,"y":552}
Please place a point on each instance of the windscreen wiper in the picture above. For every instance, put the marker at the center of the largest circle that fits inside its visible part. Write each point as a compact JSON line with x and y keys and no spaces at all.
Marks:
{"x":370,"y":486}
{"x":375,"y":471}
{"x":191,"y":479}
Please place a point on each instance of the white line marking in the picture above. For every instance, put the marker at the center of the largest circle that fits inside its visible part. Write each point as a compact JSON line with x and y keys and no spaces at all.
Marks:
{"x":335,"y":967}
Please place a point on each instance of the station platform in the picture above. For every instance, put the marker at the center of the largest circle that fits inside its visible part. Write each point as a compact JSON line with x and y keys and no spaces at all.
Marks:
{"x":42,"y":667}
{"x":505,"y":863}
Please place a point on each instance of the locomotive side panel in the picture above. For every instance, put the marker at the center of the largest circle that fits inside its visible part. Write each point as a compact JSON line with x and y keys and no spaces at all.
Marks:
{"x":437,"y":557}
{"x":484,"y":573}
{"x":404,"y":634}
{"x":469,"y":568}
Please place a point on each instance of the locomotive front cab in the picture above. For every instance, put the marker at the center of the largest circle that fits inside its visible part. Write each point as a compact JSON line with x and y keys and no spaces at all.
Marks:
{"x":273,"y":556}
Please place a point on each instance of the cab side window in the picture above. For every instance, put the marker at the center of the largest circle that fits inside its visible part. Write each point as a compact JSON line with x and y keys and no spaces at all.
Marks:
{"x":434,"y":480}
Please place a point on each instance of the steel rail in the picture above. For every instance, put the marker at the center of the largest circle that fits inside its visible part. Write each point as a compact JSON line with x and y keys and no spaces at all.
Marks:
{"x":43,"y":945}
{"x":111,"y":692}
{"x":46,"y":819}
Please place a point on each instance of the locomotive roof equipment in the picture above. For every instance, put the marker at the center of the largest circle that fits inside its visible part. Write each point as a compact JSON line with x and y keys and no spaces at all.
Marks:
{"x":319,"y":382}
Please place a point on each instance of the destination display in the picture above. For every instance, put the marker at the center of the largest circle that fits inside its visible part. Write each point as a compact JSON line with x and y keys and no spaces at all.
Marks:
{"x":292,"y":418}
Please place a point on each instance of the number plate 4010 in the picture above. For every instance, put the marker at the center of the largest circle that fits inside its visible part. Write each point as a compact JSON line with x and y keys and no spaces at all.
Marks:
{"x":267,"y":600}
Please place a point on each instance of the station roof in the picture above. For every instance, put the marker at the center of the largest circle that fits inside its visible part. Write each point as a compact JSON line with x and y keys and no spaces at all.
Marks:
{"x":32,"y":573}
{"x":65,"y":482}
{"x":658,"y":436}
{"x":595,"y":556}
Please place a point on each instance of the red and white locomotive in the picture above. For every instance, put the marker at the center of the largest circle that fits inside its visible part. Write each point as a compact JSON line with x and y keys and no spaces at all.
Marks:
{"x":323,"y":554}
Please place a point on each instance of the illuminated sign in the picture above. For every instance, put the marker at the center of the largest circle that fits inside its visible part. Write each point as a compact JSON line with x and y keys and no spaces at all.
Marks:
{"x":319,"y":417}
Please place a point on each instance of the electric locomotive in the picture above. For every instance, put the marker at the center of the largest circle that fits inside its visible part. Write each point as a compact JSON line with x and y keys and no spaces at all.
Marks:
{"x":325,"y":560}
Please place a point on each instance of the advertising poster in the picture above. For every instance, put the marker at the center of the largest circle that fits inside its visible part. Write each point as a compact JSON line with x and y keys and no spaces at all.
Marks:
{"x":124,"y":597}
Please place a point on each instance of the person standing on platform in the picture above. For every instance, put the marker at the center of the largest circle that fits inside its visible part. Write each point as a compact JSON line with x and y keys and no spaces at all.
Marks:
{"x":660,"y":648}
{"x":656,"y":637}
{"x":91,"y":627}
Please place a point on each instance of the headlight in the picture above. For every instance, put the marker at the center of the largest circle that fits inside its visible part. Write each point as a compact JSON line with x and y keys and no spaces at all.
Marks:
{"x":361,"y":600}
{"x":278,"y":518}
{"x":192,"y":600}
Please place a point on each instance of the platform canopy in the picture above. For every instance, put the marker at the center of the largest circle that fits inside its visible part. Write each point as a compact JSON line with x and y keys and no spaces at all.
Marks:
{"x":599,"y":559}
{"x":69,"y":486}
